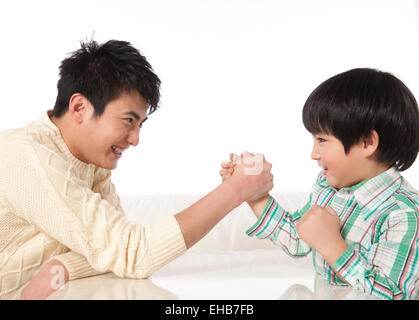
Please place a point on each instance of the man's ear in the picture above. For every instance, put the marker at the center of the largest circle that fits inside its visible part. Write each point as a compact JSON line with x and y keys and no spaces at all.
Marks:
{"x":370,"y":143}
{"x":78,"y":107}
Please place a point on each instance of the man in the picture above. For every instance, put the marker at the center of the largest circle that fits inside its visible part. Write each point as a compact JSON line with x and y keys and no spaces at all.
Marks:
{"x":59,"y":209}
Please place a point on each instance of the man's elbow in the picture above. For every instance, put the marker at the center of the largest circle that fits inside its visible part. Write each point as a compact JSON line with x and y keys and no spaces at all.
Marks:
{"x":138,"y":274}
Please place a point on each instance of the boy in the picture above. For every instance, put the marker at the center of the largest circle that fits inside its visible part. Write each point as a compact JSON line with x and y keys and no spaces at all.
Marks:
{"x":59,"y":210}
{"x":361,"y":221}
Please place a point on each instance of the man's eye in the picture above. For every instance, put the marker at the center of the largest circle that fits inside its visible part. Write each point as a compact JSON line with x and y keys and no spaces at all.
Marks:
{"x":130,"y":120}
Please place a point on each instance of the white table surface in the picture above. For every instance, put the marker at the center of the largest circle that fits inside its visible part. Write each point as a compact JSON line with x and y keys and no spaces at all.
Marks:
{"x":229,"y":275}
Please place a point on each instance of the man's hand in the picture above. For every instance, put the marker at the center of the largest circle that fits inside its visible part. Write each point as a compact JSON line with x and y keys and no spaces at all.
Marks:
{"x":49,"y":279}
{"x":250,"y":174}
{"x":320,"y":229}
{"x":253,"y":164}
{"x":250,"y":180}
{"x":249,"y":159}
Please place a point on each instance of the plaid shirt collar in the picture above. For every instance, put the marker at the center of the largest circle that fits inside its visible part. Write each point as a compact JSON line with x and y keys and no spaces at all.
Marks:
{"x":373,"y":192}
{"x":370,"y":194}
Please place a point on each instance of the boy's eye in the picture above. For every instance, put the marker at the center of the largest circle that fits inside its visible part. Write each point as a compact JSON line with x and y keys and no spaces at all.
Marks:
{"x":320,"y":140}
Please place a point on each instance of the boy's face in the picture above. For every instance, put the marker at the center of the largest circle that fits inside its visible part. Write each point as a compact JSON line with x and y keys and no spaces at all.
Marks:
{"x":341,"y":170}
{"x":114,"y":131}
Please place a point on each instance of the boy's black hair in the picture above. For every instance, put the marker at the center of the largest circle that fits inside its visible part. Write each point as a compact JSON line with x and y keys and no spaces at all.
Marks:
{"x":102,"y":73}
{"x":353,"y":103}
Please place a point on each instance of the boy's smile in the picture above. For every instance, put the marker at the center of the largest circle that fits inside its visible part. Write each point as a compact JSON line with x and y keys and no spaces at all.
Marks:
{"x":346,"y":170}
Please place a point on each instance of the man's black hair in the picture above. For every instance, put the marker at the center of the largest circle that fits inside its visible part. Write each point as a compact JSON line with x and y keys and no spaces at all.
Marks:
{"x":102,"y":73}
{"x":352,"y":104}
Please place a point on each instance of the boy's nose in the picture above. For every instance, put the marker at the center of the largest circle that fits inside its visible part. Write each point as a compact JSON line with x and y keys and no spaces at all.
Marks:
{"x":315,"y":153}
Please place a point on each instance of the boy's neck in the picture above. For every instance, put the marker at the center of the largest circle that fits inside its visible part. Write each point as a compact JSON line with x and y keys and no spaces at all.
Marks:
{"x":371,"y":172}
{"x":377,"y":170}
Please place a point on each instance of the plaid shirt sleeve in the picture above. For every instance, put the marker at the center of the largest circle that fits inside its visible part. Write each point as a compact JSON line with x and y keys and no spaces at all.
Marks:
{"x":390,"y":269}
{"x":278,"y":225}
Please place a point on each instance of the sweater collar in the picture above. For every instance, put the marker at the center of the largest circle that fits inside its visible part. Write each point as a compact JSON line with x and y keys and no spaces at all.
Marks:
{"x":58,"y":139}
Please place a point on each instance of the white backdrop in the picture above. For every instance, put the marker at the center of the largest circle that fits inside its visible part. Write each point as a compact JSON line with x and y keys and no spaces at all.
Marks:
{"x":235,"y":75}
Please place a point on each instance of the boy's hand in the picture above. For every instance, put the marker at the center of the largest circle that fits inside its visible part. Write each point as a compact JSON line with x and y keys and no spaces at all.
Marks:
{"x":48,"y":280}
{"x":253,"y":164}
{"x":228,"y":166}
{"x":227,"y":169}
{"x":320,"y":229}
{"x":249,"y":174}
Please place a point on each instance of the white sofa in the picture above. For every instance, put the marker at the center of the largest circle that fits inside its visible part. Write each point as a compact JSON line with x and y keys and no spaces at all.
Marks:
{"x":227,"y":235}
{"x":225,"y":264}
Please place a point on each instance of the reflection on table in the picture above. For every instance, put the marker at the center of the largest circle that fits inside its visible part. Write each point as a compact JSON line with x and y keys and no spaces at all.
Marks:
{"x":229,"y":275}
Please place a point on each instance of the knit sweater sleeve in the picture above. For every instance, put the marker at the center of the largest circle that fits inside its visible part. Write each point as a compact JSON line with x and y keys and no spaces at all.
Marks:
{"x":46,"y":192}
{"x":76,"y":264}
{"x":103,"y":185}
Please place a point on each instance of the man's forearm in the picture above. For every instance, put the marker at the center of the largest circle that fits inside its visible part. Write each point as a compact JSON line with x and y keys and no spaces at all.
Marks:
{"x":198,"y":219}
{"x":48,"y":280}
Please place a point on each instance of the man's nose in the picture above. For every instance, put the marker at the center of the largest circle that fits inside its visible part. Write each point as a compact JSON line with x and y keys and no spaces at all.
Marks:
{"x":134,"y":137}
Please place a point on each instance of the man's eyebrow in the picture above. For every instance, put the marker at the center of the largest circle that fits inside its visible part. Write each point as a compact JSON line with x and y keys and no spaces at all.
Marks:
{"x":134,"y":114}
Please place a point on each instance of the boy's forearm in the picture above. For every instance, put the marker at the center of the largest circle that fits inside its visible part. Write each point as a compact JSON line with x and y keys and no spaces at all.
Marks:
{"x":259,"y":205}
{"x":198,"y":219}
{"x":332,"y":253}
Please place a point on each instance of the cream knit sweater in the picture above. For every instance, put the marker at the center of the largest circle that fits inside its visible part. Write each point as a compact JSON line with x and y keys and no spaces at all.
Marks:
{"x":53,"y":205}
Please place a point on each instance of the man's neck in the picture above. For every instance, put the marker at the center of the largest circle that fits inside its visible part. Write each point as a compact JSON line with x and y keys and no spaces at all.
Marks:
{"x":64,"y":127}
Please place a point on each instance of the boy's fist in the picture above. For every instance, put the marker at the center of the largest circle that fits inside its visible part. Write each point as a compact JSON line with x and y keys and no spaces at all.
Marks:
{"x":227,"y":169}
{"x":319,"y":227}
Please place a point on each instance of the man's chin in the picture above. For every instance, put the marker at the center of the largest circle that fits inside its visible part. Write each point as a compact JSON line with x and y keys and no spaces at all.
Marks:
{"x":107,"y":165}
{"x":111,"y":167}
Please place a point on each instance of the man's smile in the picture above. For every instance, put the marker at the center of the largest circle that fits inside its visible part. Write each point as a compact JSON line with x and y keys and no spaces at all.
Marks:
{"x":117,"y":151}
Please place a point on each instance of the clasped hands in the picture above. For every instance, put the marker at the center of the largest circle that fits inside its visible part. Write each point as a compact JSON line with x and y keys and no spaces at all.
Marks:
{"x":319,"y":227}
{"x":249,"y":174}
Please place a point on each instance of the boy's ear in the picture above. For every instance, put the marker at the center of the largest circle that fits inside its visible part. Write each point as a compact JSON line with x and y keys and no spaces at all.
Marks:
{"x":77,"y":107}
{"x":370,"y":143}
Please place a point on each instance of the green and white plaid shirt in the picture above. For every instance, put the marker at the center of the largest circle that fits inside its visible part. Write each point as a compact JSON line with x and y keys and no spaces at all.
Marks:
{"x":379,"y":222}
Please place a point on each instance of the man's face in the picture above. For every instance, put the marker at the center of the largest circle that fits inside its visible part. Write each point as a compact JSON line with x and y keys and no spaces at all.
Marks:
{"x":341,"y":170}
{"x":106,"y":137}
